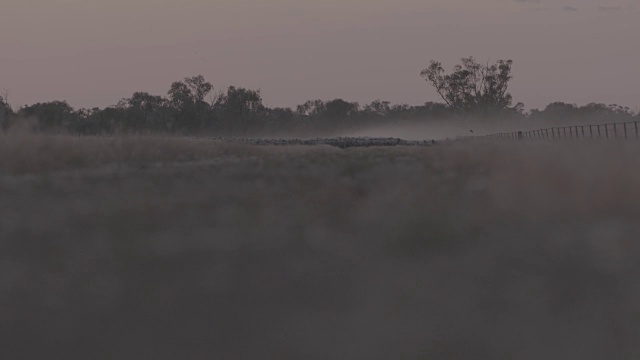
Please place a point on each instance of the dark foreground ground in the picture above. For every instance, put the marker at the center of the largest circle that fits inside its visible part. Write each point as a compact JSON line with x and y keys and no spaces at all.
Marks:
{"x":163,"y":249}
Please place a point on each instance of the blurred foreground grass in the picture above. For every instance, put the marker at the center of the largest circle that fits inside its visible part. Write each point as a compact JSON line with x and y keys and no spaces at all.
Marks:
{"x":165,"y":248}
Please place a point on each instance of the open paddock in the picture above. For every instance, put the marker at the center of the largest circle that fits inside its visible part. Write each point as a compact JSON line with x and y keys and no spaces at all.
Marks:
{"x":165,"y":248}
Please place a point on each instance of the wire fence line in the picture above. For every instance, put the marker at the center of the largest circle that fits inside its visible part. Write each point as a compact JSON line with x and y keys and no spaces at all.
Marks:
{"x":621,"y":130}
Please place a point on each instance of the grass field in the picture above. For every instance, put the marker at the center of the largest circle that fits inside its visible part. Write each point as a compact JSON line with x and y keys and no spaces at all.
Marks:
{"x":174,"y":248}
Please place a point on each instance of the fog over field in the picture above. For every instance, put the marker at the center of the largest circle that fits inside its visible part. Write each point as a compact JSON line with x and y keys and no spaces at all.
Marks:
{"x":438,"y":129}
{"x":168,"y":247}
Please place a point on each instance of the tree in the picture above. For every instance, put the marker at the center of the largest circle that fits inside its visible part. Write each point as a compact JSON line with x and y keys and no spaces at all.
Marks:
{"x":311,"y":108}
{"x":187,"y":101}
{"x":275,"y":118}
{"x":590,"y":113}
{"x":145,"y":112}
{"x":199,"y":87}
{"x":52,"y":116}
{"x":190,"y":92}
{"x":5,"y":113}
{"x":472,"y":87}
{"x":336,"y":109}
{"x":377,"y":108}
{"x":239,"y":107}
{"x":143,"y":101}
{"x":339,"y":109}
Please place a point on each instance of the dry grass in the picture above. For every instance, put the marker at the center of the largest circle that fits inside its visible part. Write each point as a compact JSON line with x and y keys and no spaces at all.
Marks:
{"x":35,"y":153}
{"x":519,"y":251}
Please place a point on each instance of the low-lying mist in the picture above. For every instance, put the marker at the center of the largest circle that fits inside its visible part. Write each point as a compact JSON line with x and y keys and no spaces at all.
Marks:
{"x":435,"y":130}
{"x":517,"y":250}
{"x":454,"y":129}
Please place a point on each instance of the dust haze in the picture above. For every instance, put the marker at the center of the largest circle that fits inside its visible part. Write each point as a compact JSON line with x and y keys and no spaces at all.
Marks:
{"x":170,"y":247}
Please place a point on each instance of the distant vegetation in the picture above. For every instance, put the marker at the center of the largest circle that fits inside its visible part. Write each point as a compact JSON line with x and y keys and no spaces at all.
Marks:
{"x":472,"y":90}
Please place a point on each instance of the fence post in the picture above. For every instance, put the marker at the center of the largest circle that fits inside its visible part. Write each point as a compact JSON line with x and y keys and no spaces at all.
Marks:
{"x":599,"y":133}
{"x":625,"y":131}
{"x":615,"y":130}
{"x":582,"y":127}
{"x":591,"y":130}
{"x":606,"y":130}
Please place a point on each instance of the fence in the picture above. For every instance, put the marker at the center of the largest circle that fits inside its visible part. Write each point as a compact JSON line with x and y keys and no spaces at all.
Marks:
{"x":624,"y":130}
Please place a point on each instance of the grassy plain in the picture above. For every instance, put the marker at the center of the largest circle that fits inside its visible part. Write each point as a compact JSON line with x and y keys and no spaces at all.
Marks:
{"x":167,"y":248}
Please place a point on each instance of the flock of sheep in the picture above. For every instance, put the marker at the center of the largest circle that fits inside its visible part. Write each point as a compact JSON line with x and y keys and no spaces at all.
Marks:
{"x":341,"y":142}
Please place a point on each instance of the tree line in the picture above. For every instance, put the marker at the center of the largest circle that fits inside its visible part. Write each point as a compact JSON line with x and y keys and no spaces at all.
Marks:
{"x":471,"y":91}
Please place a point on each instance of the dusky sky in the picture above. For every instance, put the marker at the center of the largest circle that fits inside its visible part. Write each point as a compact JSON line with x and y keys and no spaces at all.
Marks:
{"x":94,"y":52}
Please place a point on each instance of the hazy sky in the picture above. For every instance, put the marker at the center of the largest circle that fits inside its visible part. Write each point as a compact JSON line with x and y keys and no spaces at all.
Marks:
{"x":94,"y":52}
